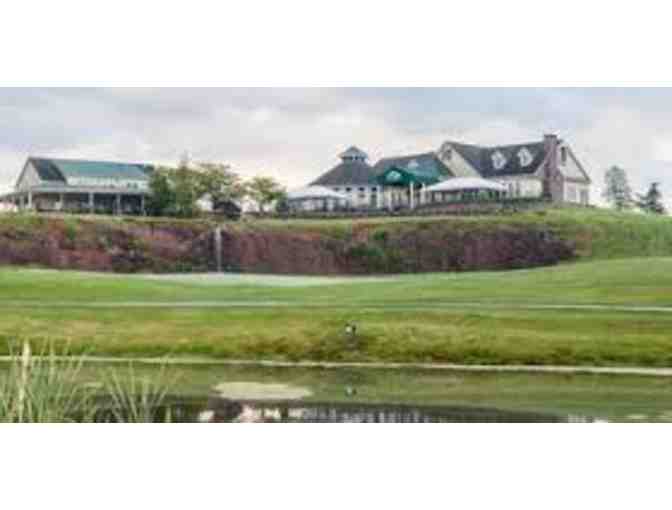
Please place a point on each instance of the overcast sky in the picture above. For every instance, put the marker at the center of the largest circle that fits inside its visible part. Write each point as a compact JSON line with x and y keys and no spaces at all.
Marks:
{"x":295,"y":134}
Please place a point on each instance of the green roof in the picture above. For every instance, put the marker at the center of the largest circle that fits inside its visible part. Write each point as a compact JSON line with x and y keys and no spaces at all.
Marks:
{"x":397,"y":176}
{"x":49,"y":169}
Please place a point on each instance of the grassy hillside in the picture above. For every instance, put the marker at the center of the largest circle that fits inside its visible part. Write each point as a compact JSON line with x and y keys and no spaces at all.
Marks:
{"x":596,"y":233}
{"x":460,"y":317}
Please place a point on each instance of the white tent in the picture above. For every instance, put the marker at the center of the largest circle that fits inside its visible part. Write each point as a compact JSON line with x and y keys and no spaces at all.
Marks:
{"x":315,"y":198}
{"x":314,"y":193}
{"x":466,"y":183}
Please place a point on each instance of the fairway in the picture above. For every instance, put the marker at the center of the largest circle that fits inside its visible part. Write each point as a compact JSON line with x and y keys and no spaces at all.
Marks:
{"x":540,"y":316}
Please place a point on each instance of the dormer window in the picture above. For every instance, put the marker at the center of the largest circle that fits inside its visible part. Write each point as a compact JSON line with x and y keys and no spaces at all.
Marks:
{"x":445,"y":152}
{"x":498,"y":160}
{"x":525,"y":157}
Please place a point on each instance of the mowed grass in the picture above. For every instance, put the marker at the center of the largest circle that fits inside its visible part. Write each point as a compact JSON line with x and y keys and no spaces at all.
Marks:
{"x":414,"y":318}
{"x":635,"y":281}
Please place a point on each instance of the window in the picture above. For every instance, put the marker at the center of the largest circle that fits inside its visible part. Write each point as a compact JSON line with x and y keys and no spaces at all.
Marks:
{"x":498,"y":160}
{"x":525,"y":157}
{"x":445,"y":152}
{"x":337,"y":189}
{"x":362,"y":190}
{"x":348,"y":190}
{"x":563,"y":155}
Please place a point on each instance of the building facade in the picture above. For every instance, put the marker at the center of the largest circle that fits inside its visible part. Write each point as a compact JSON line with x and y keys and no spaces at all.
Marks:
{"x":544,"y":169}
{"x":353,"y":178}
{"x":68,"y":185}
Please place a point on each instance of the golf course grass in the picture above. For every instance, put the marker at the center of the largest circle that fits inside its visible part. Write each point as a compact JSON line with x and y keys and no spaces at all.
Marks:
{"x":482,"y":317}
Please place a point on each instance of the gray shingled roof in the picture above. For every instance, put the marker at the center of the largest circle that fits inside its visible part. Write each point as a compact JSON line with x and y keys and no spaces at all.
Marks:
{"x":481,"y":158}
{"x":348,"y":173}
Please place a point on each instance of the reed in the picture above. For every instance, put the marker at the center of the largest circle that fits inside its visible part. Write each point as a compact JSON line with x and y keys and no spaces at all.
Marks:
{"x":49,"y":388}
{"x":134,"y":398}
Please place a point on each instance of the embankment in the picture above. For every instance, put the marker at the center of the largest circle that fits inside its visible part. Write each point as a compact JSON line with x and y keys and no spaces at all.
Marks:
{"x":384,"y":245}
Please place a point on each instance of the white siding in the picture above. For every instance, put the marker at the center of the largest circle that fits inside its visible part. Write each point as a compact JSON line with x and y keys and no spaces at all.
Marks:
{"x":570,"y":168}
{"x":30,"y":178}
{"x":358,"y":196}
{"x":577,"y":193}
{"x":521,"y":187}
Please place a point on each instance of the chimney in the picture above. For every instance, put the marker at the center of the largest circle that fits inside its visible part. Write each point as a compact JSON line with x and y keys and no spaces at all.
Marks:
{"x":551,"y":164}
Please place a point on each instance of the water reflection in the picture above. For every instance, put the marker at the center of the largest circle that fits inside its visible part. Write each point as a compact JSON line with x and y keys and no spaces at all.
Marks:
{"x":223,"y":410}
{"x":219,"y":410}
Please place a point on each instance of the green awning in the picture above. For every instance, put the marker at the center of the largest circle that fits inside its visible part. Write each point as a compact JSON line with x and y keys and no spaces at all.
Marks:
{"x":396,"y":176}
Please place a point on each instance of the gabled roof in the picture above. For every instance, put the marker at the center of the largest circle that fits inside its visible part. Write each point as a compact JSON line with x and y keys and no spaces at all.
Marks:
{"x":481,"y":158}
{"x":426,"y":166}
{"x":47,"y":170}
{"x":348,"y":173}
{"x":60,"y":170}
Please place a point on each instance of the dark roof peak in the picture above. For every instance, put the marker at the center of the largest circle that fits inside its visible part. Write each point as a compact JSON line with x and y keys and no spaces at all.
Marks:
{"x":353,"y":152}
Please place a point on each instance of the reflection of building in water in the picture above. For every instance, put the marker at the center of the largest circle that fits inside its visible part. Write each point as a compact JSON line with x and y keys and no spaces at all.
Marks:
{"x":260,"y":412}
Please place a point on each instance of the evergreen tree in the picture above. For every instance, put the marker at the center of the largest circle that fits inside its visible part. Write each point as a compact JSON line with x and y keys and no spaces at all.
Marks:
{"x":652,"y":202}
{"x":617,"y":190}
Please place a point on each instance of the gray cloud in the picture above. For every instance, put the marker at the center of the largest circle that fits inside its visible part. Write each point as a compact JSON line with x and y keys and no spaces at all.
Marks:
{"x":295,"y":133}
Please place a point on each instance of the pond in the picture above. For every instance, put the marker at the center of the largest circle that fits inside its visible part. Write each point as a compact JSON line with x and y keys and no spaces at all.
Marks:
{"x":219,"y":410}
{"x":177,"y":409}
{"x":243,"y":393}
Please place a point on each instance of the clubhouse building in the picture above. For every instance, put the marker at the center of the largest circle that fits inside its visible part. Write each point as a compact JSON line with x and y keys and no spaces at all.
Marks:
{"x":455,"y":172}
{"x":71,"y":185}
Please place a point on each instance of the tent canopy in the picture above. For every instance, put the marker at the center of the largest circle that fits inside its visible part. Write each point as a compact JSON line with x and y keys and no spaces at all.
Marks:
{"x":466,"y":183}
{"x":314,"y":193}
{"x":397,"y":176}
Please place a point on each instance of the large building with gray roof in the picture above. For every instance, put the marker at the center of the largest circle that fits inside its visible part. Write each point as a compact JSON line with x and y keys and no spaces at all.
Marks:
{"x":74,"y":185}
{"x":547,"y":168}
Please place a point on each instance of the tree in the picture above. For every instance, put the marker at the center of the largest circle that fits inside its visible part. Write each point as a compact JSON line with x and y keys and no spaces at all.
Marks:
{"x":651,"y":202}
{"x":265,"y":190}
{"x":177,"y":191}
{"x":218,"y":183}
{"x":617,"y":190}
{"x":162,"y":198}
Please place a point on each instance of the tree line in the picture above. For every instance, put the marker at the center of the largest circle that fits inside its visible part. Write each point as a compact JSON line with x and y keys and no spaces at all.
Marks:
{"x":619,"y":194}
{"x":180,"y":191}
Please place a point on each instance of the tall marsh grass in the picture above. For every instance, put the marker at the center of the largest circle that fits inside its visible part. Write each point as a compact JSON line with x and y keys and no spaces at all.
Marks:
{"x":49,"y":388}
